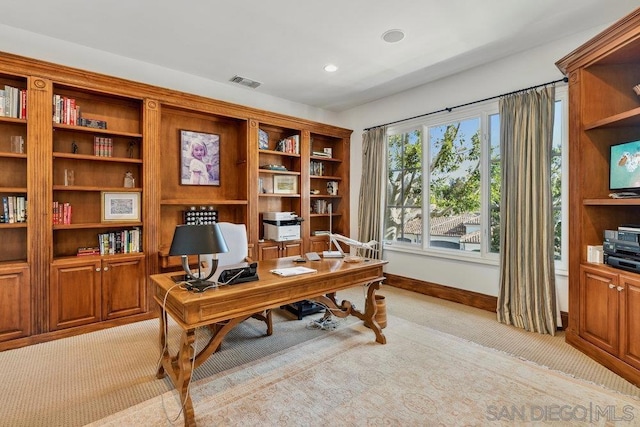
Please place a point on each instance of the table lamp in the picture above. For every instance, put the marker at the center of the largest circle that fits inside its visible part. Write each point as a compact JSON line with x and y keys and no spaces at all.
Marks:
{"x":198,"y":239}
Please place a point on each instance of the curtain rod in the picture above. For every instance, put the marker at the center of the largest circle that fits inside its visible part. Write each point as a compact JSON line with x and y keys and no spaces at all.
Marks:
{"x":449,"y":109}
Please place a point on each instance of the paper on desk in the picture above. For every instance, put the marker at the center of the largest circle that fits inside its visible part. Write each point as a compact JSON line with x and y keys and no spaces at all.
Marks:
{"x":293,"y":271}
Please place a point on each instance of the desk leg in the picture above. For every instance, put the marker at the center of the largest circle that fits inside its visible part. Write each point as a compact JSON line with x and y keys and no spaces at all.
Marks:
{"x":163,"y":343}
{"x":184,"y":364}
{"x":346,"y":308}
{"x":370,"y":311}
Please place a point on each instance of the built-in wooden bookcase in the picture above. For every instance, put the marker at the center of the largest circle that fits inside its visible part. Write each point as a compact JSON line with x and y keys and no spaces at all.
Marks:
{"x":328,"y":175}
{"x":229,"y":198}
{"x":48,"y":291}
{"x":279,"y":189}
{"x":604,"y":302}
{"x":98,"y":160}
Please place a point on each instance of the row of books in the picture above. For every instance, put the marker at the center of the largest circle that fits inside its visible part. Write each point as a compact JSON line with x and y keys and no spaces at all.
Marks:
{"x":13,"y":102}
{"x":61,"y":212}
{"x":120,"y":242}
{"x":320,"y":206}
{"x":290,"y":145}
{"x":67,"y":112}
{"x":102,"y":146}
{"x":316,"y":168}
{"x":325,"y":153}
{"x":14,"y":209}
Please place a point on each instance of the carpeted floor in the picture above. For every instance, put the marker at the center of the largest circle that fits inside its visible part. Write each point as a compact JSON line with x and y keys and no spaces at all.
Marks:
{"x":79,"y":380}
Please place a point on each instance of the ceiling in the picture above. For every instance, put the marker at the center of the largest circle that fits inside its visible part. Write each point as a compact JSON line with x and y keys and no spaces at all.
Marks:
{"x":284,"y":44}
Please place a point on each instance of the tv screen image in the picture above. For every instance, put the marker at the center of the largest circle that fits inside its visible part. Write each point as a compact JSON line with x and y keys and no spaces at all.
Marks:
{"x":624,"y":167}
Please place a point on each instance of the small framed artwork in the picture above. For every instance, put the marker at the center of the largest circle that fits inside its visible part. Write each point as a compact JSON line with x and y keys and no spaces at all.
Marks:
{"x":285,"y":184}
{"x":199,"y":158}
{"x":120,"y":207}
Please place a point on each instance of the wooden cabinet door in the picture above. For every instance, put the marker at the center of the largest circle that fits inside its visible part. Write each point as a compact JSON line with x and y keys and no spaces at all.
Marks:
{"x":598,"y":322}
{"x":74,"y":294}
{"x":319,"y":245}
{"x":268,"y":250}
{"x":15,"y":300}
{"x":123,"y":286}
{"x":629,"y":292}
{"x":292,"y":248}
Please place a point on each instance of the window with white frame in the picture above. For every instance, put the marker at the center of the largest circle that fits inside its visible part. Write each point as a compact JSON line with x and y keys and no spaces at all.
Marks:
{"x":443,"y":186}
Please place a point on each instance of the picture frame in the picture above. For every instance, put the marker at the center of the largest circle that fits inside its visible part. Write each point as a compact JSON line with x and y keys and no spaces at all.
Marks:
{"x":285,"y":184}
{"x":199,"y":158}
{"x":120,"y":206}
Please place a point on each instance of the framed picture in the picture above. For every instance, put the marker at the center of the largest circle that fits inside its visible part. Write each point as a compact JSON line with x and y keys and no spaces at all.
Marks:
{"x":285,"y":184}
{"x":120,"y":207}
{"x":199,"y":158}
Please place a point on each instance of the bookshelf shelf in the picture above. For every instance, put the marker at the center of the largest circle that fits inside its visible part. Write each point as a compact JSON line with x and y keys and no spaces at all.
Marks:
{"x":96,"y":131}
{"x":279,"y":153}
{"x":7,"y":190}
{"x":325,"y":159}
{"x":94,"y":225}
{"x":327,"y":177}
{"x":202,"y":202}
{"x":14,"y":225}
{"x":13,"y":155}
{"x":93,"y":158}
{"x":94,"y":189}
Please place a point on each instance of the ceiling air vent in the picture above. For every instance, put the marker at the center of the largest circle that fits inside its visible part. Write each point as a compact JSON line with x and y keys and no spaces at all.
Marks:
{"x":245,"y":82}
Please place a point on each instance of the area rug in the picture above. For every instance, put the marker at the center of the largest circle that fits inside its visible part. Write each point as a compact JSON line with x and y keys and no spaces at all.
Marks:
{"x":420,"y":377}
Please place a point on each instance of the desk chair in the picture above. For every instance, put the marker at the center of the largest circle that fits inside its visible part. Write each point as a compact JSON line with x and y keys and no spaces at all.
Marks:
{"x":236,"y":237}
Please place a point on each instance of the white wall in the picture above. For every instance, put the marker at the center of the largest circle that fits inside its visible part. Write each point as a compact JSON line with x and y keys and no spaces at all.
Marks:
{"x":516,"y":72}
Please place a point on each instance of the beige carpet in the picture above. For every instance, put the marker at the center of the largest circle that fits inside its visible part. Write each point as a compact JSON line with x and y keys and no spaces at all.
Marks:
{"x":421,"y":377}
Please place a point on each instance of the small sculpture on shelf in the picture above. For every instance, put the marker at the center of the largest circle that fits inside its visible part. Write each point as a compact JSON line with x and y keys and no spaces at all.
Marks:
{"x":74,"y":147}
{"x":132,"y":145}
{"x":129,"y":181}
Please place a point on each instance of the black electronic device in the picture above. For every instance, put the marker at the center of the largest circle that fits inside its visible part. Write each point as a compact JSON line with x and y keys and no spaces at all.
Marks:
{"x":623,"y":263}
{"x":232,"y":276}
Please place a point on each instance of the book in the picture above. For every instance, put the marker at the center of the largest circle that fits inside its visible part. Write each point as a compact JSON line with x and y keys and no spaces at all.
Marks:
{"x":293,"y":271}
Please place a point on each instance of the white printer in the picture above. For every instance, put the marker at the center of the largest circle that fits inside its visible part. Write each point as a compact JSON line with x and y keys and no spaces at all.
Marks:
{"x":281,"y":226}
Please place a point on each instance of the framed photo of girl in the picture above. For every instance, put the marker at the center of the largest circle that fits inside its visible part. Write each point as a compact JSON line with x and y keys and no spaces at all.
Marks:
{"x":199,"y":158}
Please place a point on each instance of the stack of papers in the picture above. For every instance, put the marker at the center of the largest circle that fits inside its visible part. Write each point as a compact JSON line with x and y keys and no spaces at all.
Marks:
{"x":293,"y":271}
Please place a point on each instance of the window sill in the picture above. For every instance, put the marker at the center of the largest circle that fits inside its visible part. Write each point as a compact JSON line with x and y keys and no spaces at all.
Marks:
{"x":454,"y":255}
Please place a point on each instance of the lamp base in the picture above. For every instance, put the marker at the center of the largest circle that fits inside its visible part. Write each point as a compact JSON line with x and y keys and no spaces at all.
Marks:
{"x":198,"y":285}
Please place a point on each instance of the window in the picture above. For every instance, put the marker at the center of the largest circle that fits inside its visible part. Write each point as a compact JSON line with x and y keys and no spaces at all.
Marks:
{"x":455,"y":156}
{"x":403,"y":216}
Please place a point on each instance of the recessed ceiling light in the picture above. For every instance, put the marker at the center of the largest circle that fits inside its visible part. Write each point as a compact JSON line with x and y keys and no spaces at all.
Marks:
{"x":330,"y":68}
{"x":393,"y":36}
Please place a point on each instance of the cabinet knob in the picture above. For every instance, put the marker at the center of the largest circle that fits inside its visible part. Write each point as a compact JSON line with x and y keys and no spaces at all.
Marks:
{"x":611,"y":286}
{"x":106,"y":268}
{"x":620,"y":289}
{"x":97,"y":268}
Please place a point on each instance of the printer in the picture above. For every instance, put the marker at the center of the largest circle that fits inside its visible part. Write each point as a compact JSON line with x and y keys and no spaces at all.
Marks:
{"x":281,"y":226}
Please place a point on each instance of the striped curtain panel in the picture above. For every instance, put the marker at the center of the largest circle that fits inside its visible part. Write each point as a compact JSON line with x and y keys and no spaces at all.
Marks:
{"x":527,"y":296}
{"x":371,"y":189}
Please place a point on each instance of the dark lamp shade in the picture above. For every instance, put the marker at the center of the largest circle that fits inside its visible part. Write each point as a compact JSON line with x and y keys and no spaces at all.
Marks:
{"x":198,"y":239}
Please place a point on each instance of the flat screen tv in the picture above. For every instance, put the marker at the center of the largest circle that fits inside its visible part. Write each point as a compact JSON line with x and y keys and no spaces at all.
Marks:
{"x":624,"y":167}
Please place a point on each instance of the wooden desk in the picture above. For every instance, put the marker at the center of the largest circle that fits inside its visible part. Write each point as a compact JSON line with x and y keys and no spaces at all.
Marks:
{"x":224,"y":307}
